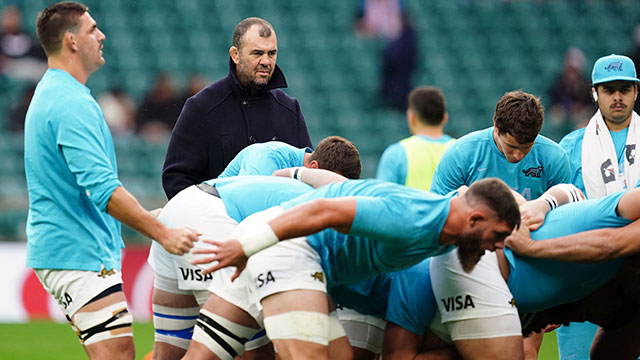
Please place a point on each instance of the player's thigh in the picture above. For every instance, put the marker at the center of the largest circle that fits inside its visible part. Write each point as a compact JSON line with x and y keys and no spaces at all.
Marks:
{"x":93,"y":303}
{"x":507,"y":348}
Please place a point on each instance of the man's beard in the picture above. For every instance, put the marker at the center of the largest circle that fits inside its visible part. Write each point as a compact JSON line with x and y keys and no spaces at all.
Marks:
{"x":469,"y":252}
{"x":249,"y":78}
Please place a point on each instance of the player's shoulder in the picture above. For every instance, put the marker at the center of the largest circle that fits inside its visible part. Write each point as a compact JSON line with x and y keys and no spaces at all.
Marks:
{"x":572,"y":139}
{"x":474,"y":138}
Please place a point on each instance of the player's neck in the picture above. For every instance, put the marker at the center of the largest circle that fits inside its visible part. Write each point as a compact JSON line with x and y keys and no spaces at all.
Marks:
{"x":456,"y":221}
{"x":70,"y":65}
{"x":433,"y":132}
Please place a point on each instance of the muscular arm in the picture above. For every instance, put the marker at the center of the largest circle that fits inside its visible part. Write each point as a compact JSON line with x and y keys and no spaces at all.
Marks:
{"x":124,"y":207}
{"x":313,"y":177}
{"x":590,"y":246}
{"x":314,"y":216}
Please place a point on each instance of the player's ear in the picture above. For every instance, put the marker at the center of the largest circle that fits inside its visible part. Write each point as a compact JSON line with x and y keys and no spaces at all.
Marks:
{"x":233,"y":52}
{"x":313,"y":165}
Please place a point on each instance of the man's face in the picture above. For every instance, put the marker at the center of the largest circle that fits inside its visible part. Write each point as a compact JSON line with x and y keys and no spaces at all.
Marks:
{"x":256,"y":58}
{"x":616,"y":100}
{"x":486,"y":234}
{"x":512,"y":150}
{"x":89,"y":39}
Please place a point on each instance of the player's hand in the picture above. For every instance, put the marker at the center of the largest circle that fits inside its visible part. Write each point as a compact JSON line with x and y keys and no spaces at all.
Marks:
{"x":178,"y":241}
{"x":519,"y":241}
{"x":532,"y":213}
{"x":226,"y":253}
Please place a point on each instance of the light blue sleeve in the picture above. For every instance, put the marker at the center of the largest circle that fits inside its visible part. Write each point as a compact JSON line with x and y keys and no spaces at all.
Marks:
{"x":411,"y":303}
{"x":450,"y":173}
{"x":393,"y":165}
{"x":560,"y":168}
{"x":82,"y":142}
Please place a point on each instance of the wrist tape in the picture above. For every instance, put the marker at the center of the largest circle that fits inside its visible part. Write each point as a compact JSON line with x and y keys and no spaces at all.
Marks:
{"x":258,"y":237}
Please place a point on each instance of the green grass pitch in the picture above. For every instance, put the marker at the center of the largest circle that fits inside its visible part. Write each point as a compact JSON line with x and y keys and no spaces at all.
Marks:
{"x":55,"y":341}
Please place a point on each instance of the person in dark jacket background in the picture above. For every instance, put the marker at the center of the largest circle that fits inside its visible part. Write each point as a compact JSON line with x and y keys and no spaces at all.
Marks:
{"x":245,"y":107}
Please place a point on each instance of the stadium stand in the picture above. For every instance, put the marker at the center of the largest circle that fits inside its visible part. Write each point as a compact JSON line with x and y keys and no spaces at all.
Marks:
{"x":473,"y":50}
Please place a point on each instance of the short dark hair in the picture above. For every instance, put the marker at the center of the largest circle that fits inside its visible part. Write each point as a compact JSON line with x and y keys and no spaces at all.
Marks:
{"x":519,"y":114}
{"x":497,"y":196}
{"x":244,"y":25}
{"x":428,"y":103}
{"x":54,"y":21}
{"x":339,"y":155}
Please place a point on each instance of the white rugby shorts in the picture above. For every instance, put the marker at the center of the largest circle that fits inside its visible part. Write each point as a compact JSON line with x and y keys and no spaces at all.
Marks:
{"x":483,"y":293}
{"x":288,"y":265}
{"x":73,"y":289}
{"x":200,"y":211}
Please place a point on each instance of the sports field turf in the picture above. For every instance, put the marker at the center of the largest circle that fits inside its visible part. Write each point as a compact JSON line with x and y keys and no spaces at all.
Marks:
{"x":55,"y":341}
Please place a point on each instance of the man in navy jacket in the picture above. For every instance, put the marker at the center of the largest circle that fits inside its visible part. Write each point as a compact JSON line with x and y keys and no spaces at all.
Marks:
{"x":243,"y":108}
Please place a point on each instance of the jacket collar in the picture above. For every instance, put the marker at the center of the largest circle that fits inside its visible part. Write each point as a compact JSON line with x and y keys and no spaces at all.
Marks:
{"x":277,"y":80}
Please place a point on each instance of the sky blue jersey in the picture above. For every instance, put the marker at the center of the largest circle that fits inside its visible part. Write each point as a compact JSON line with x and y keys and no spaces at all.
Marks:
{"x":475,"y":156}
{"x":245,"y":195}
{"x":538,"y":284}
{"x":403,"y":297}
{"x":264,"y":159}
{"x":71,"y":172}
{"x":394,"y":227}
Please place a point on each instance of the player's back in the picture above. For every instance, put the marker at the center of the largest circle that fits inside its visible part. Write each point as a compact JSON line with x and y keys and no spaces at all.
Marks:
{"x":537,"y":284}
{"x":245,"y":195}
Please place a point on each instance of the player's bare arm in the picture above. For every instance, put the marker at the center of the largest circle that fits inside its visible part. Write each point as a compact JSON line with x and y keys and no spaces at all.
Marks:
{"x":304,"y":219}
{"x":589,"y":246}
{"x":312,"y":177}
{"x":124,"y":207}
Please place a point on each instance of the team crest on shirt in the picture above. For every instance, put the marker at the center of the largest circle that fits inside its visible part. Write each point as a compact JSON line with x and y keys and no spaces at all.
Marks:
{"x":512,"y":302}
{"x":318,"y":276}
{"x":104,"y":273}
{"x":533,"y":171}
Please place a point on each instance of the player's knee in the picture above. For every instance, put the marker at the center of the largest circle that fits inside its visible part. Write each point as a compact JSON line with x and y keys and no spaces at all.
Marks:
{"x":174,"y":326}
{"x":221,"y":336}
{"x":111,"y":322}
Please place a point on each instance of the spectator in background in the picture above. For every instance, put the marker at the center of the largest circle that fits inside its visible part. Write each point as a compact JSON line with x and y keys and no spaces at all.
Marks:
{"x":195,"y":83}
{"x":389,"y":21}
{"x":243,"y":108}
{"x":119,"y":111}
{"x":18,"y":111}
{"x":571,"y":104}
{"x":412,"y":161}
{"x":20,"y":55}
{"x":159,"y":110}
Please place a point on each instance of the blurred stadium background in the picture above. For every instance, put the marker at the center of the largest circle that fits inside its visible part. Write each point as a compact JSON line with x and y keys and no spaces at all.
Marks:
{"x":474,"y":50}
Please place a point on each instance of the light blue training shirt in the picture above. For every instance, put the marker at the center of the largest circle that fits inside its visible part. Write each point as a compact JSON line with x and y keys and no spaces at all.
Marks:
{"x":71,"y":172}
{"x":475,"y":156}
{"x":264,"y":159}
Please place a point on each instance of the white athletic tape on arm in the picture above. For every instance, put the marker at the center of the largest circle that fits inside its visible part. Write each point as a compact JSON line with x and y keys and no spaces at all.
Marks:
{"x":550,"y":200}
{"x":258,"y":237}
{"x":299,"y":325}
